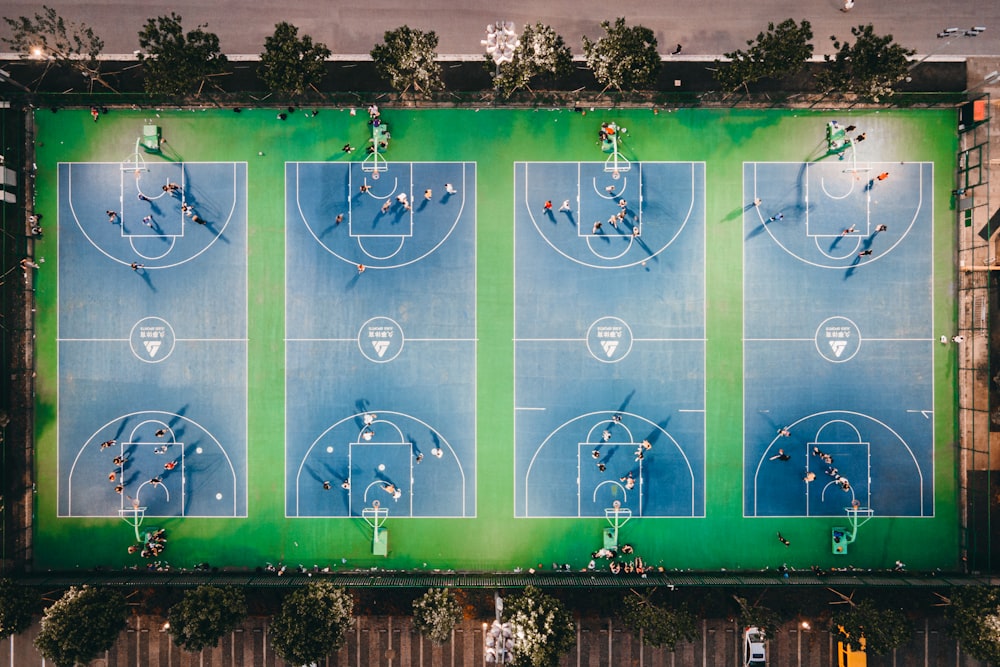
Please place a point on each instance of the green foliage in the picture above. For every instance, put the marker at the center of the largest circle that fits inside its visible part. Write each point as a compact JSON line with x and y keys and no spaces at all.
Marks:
{"x":290,"y":64}
{"x":205,"y":614}
{"x":50,"y":37}
{"x":543,"y":629}
{"x":974,"y":613}
{"x":81,"y":625}
{"x":759,"y":616}
{"x":883,"y":629}
{"x":175,"y":62}
{"x":17,"y":605}
{"x":312,"y":623}
{"x":870,"y":67}
{"x":660,"y":626}
{"x":435,"y":614}
{"x":541,"y":54}
{"x":780,"y":51}
{"x":625,"y":58}
{"x":407,"y":59}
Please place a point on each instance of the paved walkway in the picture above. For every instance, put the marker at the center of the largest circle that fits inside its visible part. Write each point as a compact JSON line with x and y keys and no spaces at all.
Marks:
{"x":703,"y":28}
{"x":392,"y":642}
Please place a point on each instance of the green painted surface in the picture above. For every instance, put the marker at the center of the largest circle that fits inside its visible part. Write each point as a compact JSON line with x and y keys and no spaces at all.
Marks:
{"x":494,"y":139}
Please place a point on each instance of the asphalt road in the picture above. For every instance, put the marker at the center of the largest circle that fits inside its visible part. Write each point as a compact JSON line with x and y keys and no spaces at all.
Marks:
{"x":706,"y":27}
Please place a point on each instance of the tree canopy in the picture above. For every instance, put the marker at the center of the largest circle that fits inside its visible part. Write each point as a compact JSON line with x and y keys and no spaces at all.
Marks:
{"x":312,"y":623}
{"x":204,"y":614}
{"x":17,"y":605}
{"x":435,"y":614}
{"x":291,"y":64}
{"x":974,"y":612}
{"x":660,"y":626}
{"x":625,"y":58}
{"x":883,"y":629}
{"x":81,"y":625}
{"x":407,"y":58}
{"x":869,"y":67}
{"x":780,"y":51}
{"x":543,"y":629}
{"x":50,"y":38}
{"x":175,"y":62}
{"x":541,"y":54}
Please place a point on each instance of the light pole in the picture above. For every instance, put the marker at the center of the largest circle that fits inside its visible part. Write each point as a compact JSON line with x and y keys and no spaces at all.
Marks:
{"x":948,"y":34}
{"x":499,"y":638}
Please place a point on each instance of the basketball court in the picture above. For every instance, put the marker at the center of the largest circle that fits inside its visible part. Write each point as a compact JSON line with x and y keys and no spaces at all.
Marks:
{"x":505,"y":337}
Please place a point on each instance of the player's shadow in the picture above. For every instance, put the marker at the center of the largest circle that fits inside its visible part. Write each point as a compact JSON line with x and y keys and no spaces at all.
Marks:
{"x":210,"y":226}
{"x":855,"y":263}
{"x":569,"y":216}
{"x":423,"y":204}
{"x":144,"y":274}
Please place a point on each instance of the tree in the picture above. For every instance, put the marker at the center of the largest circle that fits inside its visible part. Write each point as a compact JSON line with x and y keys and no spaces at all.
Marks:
{"x":290,"y":65}
{"x":974,"y":612}
{"x":758,"y":616}
{"x":60,"y":43}
{"x":625,"y":58}
{"x":81,"y":625}
{"x":781,"y":51}
{"x":659,"y":626}
{"x":205,"y":614}
{"x":543,"y":629}
{"x":176,"y":63}
{"x":17,"y":605}
{"x":407,"y":59}
{"x":435,"y":614}
{"x":883,"y":629}
{"x":541,"y":54}
{"x":870,"y":67}
{"x":312,"y":623}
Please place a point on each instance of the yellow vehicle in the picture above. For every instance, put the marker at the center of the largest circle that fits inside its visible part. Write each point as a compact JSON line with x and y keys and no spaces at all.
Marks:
{"x":845,"y":656}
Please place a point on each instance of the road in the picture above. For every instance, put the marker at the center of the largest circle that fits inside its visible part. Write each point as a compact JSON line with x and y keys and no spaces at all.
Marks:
{"x":708,"y":27}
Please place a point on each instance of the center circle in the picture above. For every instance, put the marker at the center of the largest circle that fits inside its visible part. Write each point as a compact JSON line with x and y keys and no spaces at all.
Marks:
{"x":380,"y":339}
{"x":837,"y":339}
{"x":609,"y":340}
{"x":152,"y":339}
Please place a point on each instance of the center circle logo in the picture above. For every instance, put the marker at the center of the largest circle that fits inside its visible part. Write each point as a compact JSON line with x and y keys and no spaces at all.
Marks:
{"x":838,"y":339}
{"x":380,"y":339}
{"x":609,"y":340}
{"x":152,"y":339}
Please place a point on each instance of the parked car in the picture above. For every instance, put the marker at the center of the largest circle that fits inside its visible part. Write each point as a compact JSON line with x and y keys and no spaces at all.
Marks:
{"x":754,"y":649}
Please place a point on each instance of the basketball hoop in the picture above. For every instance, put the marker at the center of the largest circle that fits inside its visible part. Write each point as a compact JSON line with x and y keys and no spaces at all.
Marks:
{"x":375,"y":516}
{"x":134,"y":517}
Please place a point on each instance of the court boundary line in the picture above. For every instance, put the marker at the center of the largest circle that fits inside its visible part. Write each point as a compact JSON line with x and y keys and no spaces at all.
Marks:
{"x":246,"y":320}
{"x":868,"y":212}
{"x":215,"y":238}
{"x":516,"y":407}
{"x":902,"y":440}
{"x":350,"y":507}
{"x":933,"y":274}
{"x":474,"y":222}
{"x":631,"y":240}
{"x":430,"y":251}
{"x":182,"y":515}
{"x":647,"y":420}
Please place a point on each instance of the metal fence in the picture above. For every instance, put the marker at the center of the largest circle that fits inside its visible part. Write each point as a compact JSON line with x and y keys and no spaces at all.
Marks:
{"x":976,"y":300}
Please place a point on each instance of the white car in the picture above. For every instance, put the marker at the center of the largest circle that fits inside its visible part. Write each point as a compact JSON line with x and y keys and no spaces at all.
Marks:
{"x":754,"y":650}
